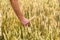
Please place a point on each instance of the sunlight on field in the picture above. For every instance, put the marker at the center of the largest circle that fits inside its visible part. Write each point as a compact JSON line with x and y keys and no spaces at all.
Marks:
{"x":45,"y":26}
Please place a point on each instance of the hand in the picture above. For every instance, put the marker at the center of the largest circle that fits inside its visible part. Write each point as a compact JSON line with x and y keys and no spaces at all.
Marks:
{"x":25,"y":21}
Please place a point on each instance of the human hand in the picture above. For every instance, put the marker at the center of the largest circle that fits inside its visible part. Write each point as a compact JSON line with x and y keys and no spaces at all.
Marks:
{"x":25,"y":21}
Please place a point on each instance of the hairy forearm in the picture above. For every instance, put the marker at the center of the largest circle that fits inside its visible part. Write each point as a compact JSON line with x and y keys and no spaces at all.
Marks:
{"x":16,"y":8}
{"x":18,"y":12}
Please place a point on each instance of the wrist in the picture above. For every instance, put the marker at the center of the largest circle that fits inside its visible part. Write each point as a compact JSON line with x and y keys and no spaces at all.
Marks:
{"x":22,"y":18}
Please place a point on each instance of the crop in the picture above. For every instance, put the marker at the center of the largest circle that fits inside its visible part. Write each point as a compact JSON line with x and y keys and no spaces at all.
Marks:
{"x":45,"y":25}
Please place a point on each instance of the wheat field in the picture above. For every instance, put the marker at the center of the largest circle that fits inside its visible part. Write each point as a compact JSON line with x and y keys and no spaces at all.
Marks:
{"x":45,"y":26}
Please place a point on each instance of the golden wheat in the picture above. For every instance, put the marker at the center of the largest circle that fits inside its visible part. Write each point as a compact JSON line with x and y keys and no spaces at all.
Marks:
{"x":45,"y":24}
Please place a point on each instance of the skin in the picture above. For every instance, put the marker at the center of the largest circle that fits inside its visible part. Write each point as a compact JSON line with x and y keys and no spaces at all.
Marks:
{"x":16,"y":8}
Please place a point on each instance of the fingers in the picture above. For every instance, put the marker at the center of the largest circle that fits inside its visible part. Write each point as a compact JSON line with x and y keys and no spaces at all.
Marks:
{"x":28,"y":24}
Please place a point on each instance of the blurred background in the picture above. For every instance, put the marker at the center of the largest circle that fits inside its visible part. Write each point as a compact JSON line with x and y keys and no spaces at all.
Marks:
{"x":45,"y":26}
